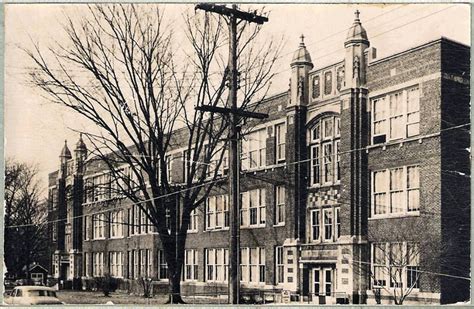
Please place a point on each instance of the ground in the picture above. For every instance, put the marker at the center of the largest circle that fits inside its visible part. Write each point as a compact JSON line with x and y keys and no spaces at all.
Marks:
{"x":86,"y":297}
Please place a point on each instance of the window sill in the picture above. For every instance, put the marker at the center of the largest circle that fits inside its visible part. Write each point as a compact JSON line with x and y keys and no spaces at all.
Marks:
{"x":325,"y":185}
{"x":402,"y":140}
{"x":395,"y":215}
{"x":98,"y":238}
{"x":279,"y":224}
{"x":216,"y":230}
{"x":192,"y":231}
{"x":252,"y":227}
{"x":117,"y":237}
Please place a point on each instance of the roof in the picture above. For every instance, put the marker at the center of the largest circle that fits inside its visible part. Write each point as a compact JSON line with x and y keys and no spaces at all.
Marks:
{"x":356,"y":33}
{"x":301,"y":55}
{"x":65,"y":153}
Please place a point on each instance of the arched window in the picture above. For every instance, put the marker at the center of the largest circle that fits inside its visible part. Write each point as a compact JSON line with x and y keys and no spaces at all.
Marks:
{"x":324,"y":151}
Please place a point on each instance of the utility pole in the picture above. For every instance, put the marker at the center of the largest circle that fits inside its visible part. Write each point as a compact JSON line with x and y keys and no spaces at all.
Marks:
{"x":235,"y":116}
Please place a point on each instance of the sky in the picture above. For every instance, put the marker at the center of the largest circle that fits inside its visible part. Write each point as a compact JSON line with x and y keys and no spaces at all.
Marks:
{"x":35,"y":129}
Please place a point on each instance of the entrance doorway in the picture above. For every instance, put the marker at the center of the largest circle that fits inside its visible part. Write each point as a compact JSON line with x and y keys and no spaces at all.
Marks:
{"x":323,"y":285}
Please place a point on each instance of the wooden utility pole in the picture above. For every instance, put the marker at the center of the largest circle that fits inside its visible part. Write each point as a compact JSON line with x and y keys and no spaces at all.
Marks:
{"x":235,"y":116}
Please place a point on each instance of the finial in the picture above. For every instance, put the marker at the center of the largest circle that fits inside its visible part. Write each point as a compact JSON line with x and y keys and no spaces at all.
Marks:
{"x":357,"y":13}
{"x":65,"y":142}
{"x":302,"y":39}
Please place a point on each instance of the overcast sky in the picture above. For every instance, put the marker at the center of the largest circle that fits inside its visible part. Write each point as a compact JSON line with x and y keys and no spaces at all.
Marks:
{"x":35,"y":129}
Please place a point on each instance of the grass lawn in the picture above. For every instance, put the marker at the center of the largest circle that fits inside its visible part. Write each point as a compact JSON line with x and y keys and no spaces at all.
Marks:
{"x":120,"y":298}
{"x":87,"y":297}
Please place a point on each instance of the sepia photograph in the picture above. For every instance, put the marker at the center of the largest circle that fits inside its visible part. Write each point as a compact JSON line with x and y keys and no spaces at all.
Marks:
{"x":203,"y":154}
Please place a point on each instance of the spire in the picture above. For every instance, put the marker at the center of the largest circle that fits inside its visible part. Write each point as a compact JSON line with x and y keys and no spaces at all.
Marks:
{"x":301,"y":55}
{"x":80,"y":145}
{"x":65,"y":153}
{"x":356,"y":33}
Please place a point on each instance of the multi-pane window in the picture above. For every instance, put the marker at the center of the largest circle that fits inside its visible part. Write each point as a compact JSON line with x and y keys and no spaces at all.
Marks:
{"x":396,"y":265}
{"x":396,"y":190}
{"x":280,"y":141}
{"x":280,"y":195}
{"x":162,"y":265}
{"x":193,"y":221}
{"x":116,"y":224}
{"x":252,"y":263}
{"x":324,"y":151}
{"x":315,"y":225}
{"x":98,"y":264}
{"x":325,"y":224}
{"x":328,"y":224}
{"x":87,"y":227}
{"x":217,"y":212}
{"x":253,"y":209}
{"x":116,"y":264}
{"x":190,"y":265}
{"x":219,"y":158}
{"x":279,"y":265}
{"x":98,"y":222}
{"x":254,"y":150}
{"x":87,"y":264}
{"x":396,"y":115}
{"x":217,"y":264}
{"x":169,"y":168}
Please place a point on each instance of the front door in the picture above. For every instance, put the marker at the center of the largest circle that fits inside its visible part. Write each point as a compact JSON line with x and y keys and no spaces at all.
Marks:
{"x":323,"y":289}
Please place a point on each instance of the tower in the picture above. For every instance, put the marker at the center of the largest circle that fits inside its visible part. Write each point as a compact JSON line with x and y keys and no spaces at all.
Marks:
{"x":354,"y":181}
{"x":355,"y":62}
{"x":301,"y":64}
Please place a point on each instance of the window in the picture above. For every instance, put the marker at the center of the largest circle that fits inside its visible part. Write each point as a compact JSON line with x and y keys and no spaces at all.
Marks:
{"x":217,"y":212}
{"x":169,"y":166}
{"x":136,"y":263}
{"x":253,"y":211}
{"x":252,"y":262}
{"x":396,"y":191}
{"x":99,"y":226}
{"x":413,"y":188}
{"x":280,"y":140}
{"x":396,"y":115}
{"x":379,"y":264}
{"x":254,"y":150}
{"x":327,"y":83}
{"x":316,"y":87}
{"x":116,"y":224}
{"x":396,"y":265}
{"x":217,"y":264}
{"x":162,"y":265}
{"x":191,"y":265}
{"x":327,"y":214}
{"x":338,"y":222}
{"x":86,"y":227}
{"x":324,"y":151}
{"x":413,"y":268}
{"x":315,"y":225}
{"x":98,"y":264}
{"x":87,"y":264}
{"x":218,"y":158}
{"x":279,"y":265}
{"x":116,"y":264}
{"x":280,"y":195}
{"x":193,"y":221}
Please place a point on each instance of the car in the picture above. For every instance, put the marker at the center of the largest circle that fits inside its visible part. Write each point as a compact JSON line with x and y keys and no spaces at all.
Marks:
{"x":33,"y":295}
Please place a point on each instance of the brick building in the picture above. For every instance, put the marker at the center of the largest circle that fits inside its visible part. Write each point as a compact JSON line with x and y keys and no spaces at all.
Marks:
{"x":359,"y":163}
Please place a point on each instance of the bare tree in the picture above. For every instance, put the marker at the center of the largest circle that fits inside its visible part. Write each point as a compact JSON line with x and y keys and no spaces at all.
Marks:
{"x":24,"y":232}
{"x":140,"y":94}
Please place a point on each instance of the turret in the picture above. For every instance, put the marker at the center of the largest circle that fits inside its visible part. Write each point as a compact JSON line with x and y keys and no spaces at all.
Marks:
{"x":355,"y":63}
{"x":80,"y":154}
{"x":64,"y":157}
{"x":301,"y":64}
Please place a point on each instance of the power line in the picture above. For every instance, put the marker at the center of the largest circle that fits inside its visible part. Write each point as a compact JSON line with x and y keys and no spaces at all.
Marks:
{"x":222,"y":178}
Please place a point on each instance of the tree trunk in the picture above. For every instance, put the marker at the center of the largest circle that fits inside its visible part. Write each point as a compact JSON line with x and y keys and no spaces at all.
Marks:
{"x":175,"y":289}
